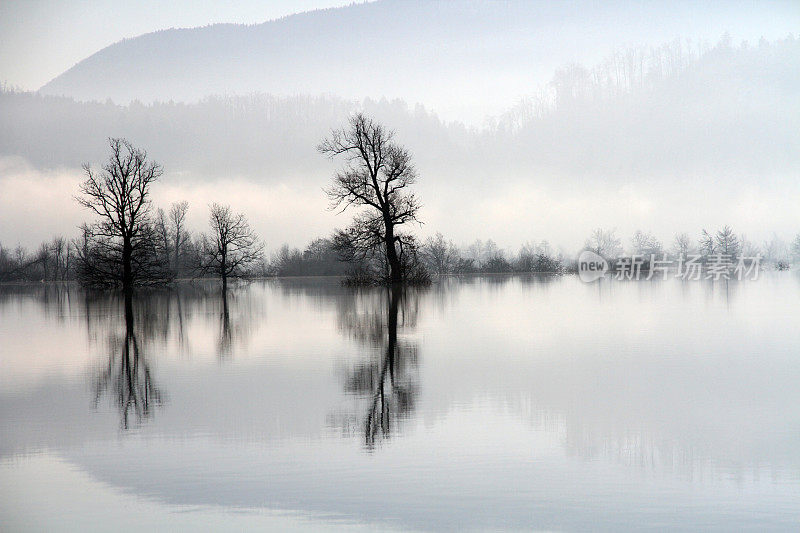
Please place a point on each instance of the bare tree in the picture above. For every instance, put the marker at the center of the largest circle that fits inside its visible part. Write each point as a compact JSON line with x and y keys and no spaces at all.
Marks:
{"x":707,"y":244}
{"x":178,"y":233}
{"x":162,"y":234}
{"x":120,"y":247}
{"x":682,"y":245}
{"x":232,"y":247}
{"x":377,"y":176}
{"x":645,"y":244}
{"x":604,"y":243}
{"x":440,"y":255}
{"x":44,"y":257}
{"x":61,"y":256}
{"x":727,"y":243}
{"x":796,"y":249}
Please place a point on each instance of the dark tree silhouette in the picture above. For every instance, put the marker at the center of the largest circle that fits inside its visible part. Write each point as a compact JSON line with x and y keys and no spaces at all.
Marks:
{"x":232,"y":248}
{"x":378,"y":174}
{"x":121,"y":247}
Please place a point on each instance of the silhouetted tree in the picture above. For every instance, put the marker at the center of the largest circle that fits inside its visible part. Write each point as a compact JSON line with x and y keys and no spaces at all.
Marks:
{"x":231,"y":248}
{"x":377,"y":175}
{"x":121,"y":247}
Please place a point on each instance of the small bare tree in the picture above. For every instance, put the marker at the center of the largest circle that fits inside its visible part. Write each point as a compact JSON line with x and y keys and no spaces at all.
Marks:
{"x":120,"y":247}
{"x":232,"y":248}
{"x":378,"y":174}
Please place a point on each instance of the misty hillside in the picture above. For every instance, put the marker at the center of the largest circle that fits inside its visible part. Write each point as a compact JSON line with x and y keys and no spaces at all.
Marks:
{"x":640,"y":114}
{"x":463,"y":58}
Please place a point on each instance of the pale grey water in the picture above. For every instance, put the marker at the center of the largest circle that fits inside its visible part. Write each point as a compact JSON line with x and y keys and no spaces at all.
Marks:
{"x":508,"y":403}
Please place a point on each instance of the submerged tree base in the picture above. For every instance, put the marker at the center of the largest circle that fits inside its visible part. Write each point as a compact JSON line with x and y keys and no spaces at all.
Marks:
{"x":365,"y":278}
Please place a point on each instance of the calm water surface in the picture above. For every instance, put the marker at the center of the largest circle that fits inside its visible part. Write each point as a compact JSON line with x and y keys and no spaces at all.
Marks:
{"x":485,"y":403}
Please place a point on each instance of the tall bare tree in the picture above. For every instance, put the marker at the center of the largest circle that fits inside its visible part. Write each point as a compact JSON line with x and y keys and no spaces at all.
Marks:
{"x":377,"y":176}
{"x":232,"y":248}
{"x":120,"y":246}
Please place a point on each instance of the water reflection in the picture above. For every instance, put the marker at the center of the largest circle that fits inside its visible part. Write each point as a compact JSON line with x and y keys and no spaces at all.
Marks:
{"x":127,"y":377}
{"x":560,"y":405}
{"x":137,"y":327}
{"x":388,"y":379}
{"x":225,"y":343}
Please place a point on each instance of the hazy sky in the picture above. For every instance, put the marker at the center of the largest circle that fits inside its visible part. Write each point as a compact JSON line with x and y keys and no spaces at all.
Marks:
{"x":40,"y":39}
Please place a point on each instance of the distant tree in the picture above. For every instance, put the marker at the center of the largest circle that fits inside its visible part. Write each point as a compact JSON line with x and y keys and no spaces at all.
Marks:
{"x":162,"y":234}
{"x":231,"y":248}
{"x":476,"y":252}
{"x":179,"y":236}
{"x":727,"y":243}
{"x":646,"y":244}
{"x":378,"y":175}
{"x":440,"y":255}
{"x":537,"y":258}
{"x":682,"y":245}
{"x":61,"y":258}
{"x":120,"y":248}
{"x":748,"y":248}
{"x":604,"y":243}
{"x":775,"y":250}
{"x":44,"y":258}
{"x":496,"y":263}
{"x":707,"y":244}
{"x":796,"y":249}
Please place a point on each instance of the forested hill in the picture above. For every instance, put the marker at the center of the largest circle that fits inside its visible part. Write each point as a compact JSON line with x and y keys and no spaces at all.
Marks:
{"x":638,"y":114}
{"x":459,"y":57}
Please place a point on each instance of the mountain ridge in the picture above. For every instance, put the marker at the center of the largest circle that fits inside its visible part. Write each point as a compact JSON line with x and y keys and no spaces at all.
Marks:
{"x":460,"y":58}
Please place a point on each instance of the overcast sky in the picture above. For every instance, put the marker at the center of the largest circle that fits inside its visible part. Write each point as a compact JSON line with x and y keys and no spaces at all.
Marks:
{"x":40,"y":39}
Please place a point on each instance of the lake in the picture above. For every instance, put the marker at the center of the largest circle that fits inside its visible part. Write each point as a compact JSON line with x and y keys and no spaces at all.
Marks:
{"x":496,"y":402}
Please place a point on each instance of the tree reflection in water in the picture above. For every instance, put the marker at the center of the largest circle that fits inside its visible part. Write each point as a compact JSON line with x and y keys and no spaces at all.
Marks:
{"x":388,"y":380}
{"x":225,"y":342}
{"x":127,"y":377}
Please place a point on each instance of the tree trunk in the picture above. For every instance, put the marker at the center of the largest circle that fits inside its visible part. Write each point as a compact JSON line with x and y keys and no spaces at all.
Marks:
{"x":224,"y":273}
{"x":395,"y":270}
{"x":127,"y":269}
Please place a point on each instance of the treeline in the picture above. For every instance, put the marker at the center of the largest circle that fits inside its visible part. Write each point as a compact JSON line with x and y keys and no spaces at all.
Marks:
{"x":181,"y":252}
{"x":773,"y":253}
